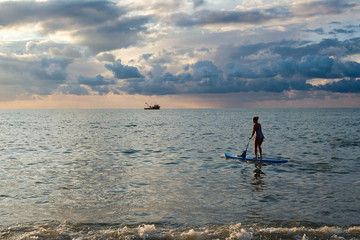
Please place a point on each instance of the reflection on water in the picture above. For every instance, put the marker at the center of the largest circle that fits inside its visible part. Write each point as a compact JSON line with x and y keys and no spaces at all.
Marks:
{"x":133,"y":167}
{"x":258,"y":176}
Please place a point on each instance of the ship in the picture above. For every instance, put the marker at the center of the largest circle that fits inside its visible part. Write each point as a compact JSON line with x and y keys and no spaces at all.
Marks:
{"x":153,"y":107}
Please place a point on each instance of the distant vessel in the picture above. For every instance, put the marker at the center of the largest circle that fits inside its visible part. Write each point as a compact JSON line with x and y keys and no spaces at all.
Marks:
{"x":154,"y":107}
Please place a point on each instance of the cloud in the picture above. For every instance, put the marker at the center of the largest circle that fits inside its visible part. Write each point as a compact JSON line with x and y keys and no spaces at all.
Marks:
{"x":58,"y":15}
{"x":123,"y":71}
{"x":202,"y":76}
{"x":280,"y":71}
{"x":343,"y":86}
{"x":319,"y":31}
{"x":96,"y":81}
{"x":206,"y":17}
{"x":49,"y":70}
{"x":67,"y":52}
{"x":118,"y":34}
{"x":98,"y":85}
{"x":74,"y":89}
{"x":98,"y":25}
{"x":260,"y":15}
{"x":291,"y":49}
{"x":342,"y":31}
{"x":286,"y":67}
{"x":38,"y":76}
{"x":198,"y":3}
{"x":106,"y":57}
{"x":178,"y":47}
{"x":324,"y":7}
{"x":40,"y":49}
{"x":317,"y":67}
{"x":307,"y":68}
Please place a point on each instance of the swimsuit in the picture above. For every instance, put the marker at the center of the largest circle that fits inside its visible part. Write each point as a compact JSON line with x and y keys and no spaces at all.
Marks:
{"x":259,"y":134}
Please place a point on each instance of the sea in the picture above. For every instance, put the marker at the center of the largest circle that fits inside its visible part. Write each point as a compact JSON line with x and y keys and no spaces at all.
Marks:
{"x":161,"y":174}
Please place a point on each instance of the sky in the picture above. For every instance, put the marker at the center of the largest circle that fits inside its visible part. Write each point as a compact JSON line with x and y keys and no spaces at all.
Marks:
{"x":179,"y":53}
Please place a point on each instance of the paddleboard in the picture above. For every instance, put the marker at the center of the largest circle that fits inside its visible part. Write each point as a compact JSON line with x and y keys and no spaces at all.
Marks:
{"x":251,"y":159}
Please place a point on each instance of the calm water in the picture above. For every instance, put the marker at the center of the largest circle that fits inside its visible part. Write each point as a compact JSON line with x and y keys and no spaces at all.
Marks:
{"x":135,"y":174}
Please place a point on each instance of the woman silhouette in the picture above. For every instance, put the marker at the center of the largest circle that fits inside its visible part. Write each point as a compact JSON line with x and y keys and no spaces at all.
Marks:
{"x":259,"y":137}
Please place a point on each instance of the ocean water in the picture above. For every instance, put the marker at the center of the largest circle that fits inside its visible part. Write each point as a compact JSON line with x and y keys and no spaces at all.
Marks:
{"x":135,"y":174}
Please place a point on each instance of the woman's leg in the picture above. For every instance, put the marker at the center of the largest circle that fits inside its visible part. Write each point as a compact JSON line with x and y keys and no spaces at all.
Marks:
{"x":259,"y":144}
{"x":255,"y":147}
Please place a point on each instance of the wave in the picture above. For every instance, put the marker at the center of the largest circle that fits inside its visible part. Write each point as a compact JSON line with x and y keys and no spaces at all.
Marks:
{"x":67,"y":231}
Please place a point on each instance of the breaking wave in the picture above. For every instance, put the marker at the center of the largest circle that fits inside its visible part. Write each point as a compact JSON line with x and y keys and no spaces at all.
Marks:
{"x":66,"y":231}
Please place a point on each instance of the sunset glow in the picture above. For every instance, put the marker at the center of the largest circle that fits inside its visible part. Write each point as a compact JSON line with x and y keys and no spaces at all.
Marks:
{"x":180,"y":54}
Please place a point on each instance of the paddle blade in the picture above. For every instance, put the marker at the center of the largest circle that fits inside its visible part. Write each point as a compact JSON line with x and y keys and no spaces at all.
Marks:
{"x":243,"y":155}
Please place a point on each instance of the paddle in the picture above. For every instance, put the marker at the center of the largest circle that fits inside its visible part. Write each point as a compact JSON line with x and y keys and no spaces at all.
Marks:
{"x":243,"y":155}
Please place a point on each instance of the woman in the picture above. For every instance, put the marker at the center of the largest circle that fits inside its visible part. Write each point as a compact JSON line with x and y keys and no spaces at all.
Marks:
{"x":259,"y":136}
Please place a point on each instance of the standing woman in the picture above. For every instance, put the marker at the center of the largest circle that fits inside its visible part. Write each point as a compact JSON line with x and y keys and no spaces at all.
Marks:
{"x":259,"y":136}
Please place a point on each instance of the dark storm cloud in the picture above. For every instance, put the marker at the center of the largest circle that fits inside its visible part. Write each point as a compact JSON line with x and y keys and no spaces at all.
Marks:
{"x":123,"y":71}
{"x":319,"y":31}
{"x":290,"y":65}
{"x":201,"y":77}
{"x":292,"y":49}
{"x":318,"y":67}
{"x":255,"y":16}
{"x":205,"y":77}
{"x":96,"y":81}
{"x":207,"y":81}
{"x":344,"y":86}
{"x":308,"y":67}
{"x":206,"y":17}
{"x":58,"y":15}
{"x":325,"y":67}
{"x":327,"y":47}
{"x":342,"y":31}
{"x":328,"y":7}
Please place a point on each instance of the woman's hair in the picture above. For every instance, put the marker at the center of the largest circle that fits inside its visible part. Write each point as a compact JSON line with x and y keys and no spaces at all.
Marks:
{"x":255,"y":119}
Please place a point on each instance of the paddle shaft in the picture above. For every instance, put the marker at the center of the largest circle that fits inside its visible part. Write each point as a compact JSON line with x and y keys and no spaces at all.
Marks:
{"x":247,"y":145}
{"x":243,"y":155}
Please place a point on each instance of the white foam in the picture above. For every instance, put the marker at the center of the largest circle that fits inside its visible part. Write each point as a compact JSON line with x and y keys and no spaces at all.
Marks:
{"x":241,"y":234}
{"x":237,"y":232}
{"x":146,"y":231}
{"x":354,"y":230}
{"x":304,"y":237}
{"x":143,"y":231}
{"x":151,"y":231}
{"x":192,"y":234}
{"x":44,"y":232}
{"x":325,"y":231}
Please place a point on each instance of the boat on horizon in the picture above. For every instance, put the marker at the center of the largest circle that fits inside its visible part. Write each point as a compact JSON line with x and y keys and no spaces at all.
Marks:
{"x":153,"y":107}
